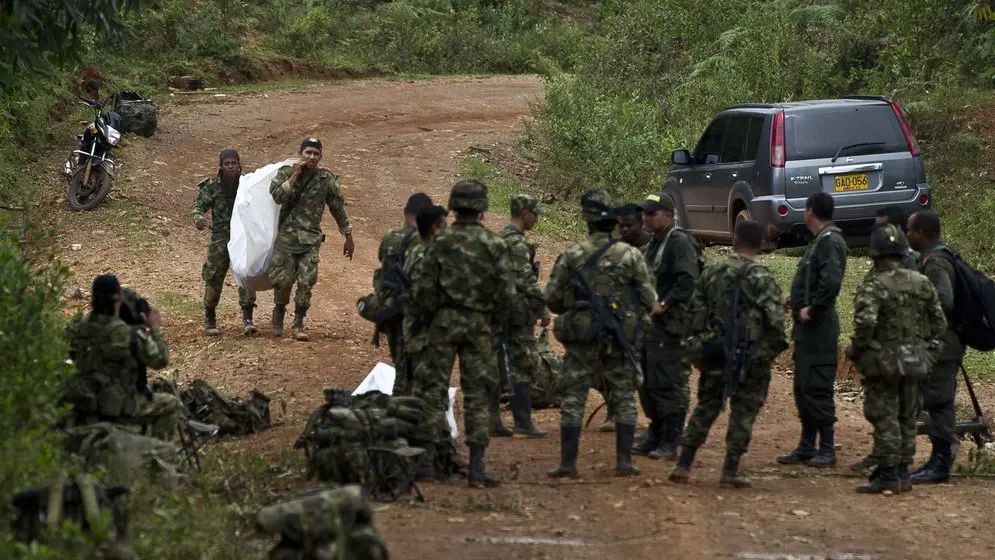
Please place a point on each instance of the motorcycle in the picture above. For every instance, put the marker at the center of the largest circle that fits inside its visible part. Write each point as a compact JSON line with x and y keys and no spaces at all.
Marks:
{"x":89,"y":170}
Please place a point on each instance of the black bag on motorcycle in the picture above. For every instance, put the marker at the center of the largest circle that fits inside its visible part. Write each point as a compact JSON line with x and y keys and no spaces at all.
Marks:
{"x":138,"y":115}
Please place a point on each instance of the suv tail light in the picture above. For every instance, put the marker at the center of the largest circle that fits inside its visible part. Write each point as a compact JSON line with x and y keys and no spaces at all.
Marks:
{"x":777,"y":150}
{"x":910,"y":140}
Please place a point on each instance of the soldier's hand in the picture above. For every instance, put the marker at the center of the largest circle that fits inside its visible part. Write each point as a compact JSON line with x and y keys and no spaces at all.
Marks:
{"x":786,"y":302}
{"x":851,"y":352}
{"x":545,"y":320}
{"x":349,"y":246}
{"x":153,"y":320}
{"x":658,"y":309}
{"x":200,"y":223}
{"x":805,"y":315}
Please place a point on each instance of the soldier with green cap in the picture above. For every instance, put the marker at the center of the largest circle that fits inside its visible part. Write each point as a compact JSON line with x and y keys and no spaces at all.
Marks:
{"x":617,"y":273}
{"x":519,"y":352}
{"x":303,"y":191}
{"x":217,"y":196}
{"x":466,"y":285}
{"x":898,"y":325}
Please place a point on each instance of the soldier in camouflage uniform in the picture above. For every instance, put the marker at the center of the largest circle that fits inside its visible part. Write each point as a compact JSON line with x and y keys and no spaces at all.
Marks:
{"x":520,"y":355}
{"x":898,"y":323}
{"x":616,"y":271}
{"x":816,"y":334}
{"x":760,"y":318}
{"x":940,"y":388}
{"x":466,"y":286}
{"x":392,"y":252}
{"x":303,"y":191}
{"x":217,"y":196}
{"x":673,"y":263}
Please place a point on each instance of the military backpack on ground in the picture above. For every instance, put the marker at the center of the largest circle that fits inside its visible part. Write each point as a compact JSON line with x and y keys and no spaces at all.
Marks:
{"x":233,"y":416}
{"x":138,"y":115}
{"x":545,"y":386}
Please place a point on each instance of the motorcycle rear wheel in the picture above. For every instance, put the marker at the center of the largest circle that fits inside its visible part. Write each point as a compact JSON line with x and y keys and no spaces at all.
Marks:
{"x":88,"y":196}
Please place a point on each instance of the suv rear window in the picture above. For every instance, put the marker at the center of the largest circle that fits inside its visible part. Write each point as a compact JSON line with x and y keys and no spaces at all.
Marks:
{"x":819,"y":133}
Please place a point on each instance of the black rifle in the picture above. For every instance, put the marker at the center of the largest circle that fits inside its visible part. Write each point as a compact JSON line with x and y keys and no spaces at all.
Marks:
{"x":736,"y":336}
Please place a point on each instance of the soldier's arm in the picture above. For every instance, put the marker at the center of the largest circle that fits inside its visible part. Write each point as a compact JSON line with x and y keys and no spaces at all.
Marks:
{"x":280,"y":187}
{"x":831,"y":259}
{"x":507,"y":279}
{"x":642,"y":280}
{"x":424,"y":297}
{"x":768,"y":298}
{"x":685,"y":271}
{"x":336,"y":204}
{"x":202,"y":205}
{"x":698,"y":306}
{"x":936,"y":318}
{"x":865,"y":315}
{"x":558,"y":285}
{"x":940,"y":272}
{"x":152,"y":348}
{"x":525,"y":280}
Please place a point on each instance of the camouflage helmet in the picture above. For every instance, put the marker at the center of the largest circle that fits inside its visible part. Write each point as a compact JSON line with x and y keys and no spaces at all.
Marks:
{"x":596,"y":206}
{"x":888,"y":239}
{"x":468,"y":195}
{"x":522,"y":202}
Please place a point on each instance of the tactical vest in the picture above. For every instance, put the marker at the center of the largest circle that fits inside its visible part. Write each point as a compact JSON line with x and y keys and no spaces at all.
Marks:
{"x":898,"y":346}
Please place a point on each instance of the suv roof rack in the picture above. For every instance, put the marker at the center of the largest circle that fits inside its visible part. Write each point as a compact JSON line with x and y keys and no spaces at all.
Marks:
{"x":753,"y":106}
{"x":867,"y":97}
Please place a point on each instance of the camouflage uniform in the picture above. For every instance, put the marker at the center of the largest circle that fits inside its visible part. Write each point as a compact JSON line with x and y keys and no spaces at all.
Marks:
{"x":817,"y":284}
{"x":893,"y":308}
{"x":299,"y":237}
{"x":427,"y":384}
{"x":465,"y":286}
{"x":394,"y":242}
{"x":214,"y":197}
{"x":760,"y":314}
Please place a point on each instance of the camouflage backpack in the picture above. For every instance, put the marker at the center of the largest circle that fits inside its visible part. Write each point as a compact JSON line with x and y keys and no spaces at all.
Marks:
{"x":363,"y":441}
{"x":232,"y":416}
{"x":324,"y":525}
{"x":545,"y":385}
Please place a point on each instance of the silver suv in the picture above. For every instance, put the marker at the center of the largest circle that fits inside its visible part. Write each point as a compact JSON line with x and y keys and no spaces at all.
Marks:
{"x":762,"y":161}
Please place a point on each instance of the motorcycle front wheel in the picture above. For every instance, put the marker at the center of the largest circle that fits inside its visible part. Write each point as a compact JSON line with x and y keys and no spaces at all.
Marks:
{"x":87,"y":195}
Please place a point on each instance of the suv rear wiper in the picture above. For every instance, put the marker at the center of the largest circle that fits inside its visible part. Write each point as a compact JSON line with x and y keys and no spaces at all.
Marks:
{"x":858,"y":145}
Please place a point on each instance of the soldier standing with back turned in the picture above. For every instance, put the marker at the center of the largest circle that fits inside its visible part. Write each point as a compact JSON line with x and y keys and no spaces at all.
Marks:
{"x":816,"y":334}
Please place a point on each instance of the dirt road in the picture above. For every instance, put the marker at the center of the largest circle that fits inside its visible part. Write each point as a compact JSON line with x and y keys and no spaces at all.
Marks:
{"x":387,"y":139}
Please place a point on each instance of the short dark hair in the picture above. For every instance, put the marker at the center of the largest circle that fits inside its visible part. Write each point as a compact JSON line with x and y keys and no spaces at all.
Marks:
{"x":601,"y":226}
{"x":629,"y":210}
{"x":427,"y":218}
{"x":821,"y":204}
{"x":896,"y":216}
{"x":750,"y":233}
{"x":927,"y":223}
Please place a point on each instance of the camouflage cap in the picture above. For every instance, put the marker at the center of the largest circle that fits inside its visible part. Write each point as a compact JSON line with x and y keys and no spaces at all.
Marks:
{"x":468,"y":195}
{"x":888,"y":239}
{"x":596,"y":206}
{"x":522,"y":202}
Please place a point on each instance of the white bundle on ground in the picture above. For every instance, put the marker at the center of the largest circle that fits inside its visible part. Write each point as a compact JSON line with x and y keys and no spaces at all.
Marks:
{"x":254,"y":223}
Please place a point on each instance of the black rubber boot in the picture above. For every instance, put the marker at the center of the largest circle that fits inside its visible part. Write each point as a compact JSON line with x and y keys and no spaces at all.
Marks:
{"x":904,"y":480}
{"x":624,"y":434}
{"x":297,"y":328}
{"x":684,"y":461}
{"x":425,"y":466}
{"x":478,"y":477}
{"x":730,"y":474}
{"x":648,"y":440}
{"x":496,"y":428}
{"x":937,"y":469}
{"x":211,"y":322}
{"x":882,"y":479}
{"x":826,"y":456}
{"x":279,"y":312}
{"x":805,"y":449}
{"x":247,"y":327}
{"x":670,"y":432}
{"x":569,"y":446}
{"x":521,"y":410}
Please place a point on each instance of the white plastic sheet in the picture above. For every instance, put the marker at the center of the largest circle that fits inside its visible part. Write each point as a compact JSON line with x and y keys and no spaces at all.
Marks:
{"x":254,"y":223}
{"x":381,"y":378}
{"x":451,"y":415}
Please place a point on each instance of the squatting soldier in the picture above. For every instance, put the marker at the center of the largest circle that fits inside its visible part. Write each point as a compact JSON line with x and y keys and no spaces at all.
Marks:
{"x":520,"y":355}
{"x":616,"y":273}
{"x":940,"y":388}
{"x":303,"y":190}
{"x":217,"y":196}
{"x":816,"y":334}
{"x":466,"y":285}
{"x":393,"y":248}
{"x":673,"y":263}
{"x":746,"y":301}
{"x":897,"y":326}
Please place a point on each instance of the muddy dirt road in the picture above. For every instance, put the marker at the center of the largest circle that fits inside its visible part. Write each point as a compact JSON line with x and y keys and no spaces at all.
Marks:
{"x":387,"y":139}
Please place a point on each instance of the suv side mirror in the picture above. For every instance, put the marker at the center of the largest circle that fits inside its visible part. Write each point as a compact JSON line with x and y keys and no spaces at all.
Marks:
{"x":680,"y":157}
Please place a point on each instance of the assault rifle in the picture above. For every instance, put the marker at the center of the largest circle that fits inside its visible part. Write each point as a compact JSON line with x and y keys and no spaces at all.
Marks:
{"x":739,"y":349}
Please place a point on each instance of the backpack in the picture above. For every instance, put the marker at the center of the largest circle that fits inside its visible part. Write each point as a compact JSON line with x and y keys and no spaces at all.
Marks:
{"x":232,"y":416}
{"x":385,"y":306}
{"x":138,"y":115}
{"x":545,"y":384}
{"x":973,"y":316}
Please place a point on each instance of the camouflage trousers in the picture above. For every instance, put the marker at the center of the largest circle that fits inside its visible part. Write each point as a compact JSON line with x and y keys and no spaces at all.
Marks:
{"x":744,"y":407}
{"x":665,"y":392}
{"x":432,"y":388}
{"x":583,"y":364}
{"x":465,"y":335}
{"x":288,"y":268}
{"x":523,"y":355}
{"x":395,"y":343}
{"x":891,"y":405}
{"x":214,"y":272}
{"x":161,"y":415}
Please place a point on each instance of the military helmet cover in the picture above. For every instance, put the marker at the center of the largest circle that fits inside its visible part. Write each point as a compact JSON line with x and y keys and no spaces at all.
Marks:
{"x":888,"y":239}
{"x":596,"y":206}
{"x":522,"y":202}
{"x":468,"y":195}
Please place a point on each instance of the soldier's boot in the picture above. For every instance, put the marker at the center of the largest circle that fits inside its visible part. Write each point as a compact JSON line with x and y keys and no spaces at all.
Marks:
{"x":826,"y":456}
{"x":211,"y":322}
{"x":496,"y":427}
{"x":904,"y":481}
{"x":865,"y":464}
{"x":478,"y":477}
{"x":648,"y":440}
{"x":624,"y":434}
{"x":569,"y":446}
{"x":682,"y":472}
{"x":521,"y":410}
{"x":937,"y":469}
{"x":730,"y":474}
{"x":279,"y":312}
{"x":247,"y":327}
{"x":882,"y":479}
{"x":425,"y":466}
{"x":297,"y":328}
{"x":805,"y":449}
{"x":670,"y":434}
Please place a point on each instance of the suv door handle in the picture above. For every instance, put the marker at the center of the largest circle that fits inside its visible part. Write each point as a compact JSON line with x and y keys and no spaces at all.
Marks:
{"x":733,"y":175}
{"x":708,"y":176}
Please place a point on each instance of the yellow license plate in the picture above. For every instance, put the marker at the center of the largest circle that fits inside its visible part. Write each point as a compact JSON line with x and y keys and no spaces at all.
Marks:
{"x":854,"y":182}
